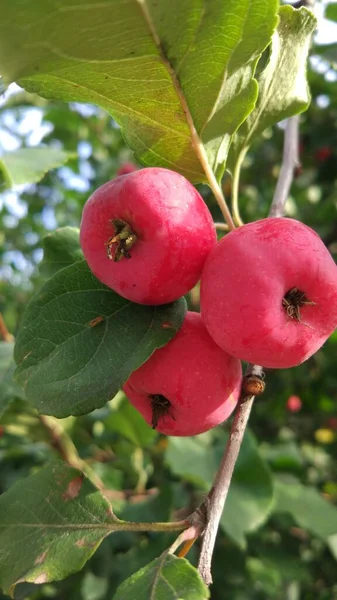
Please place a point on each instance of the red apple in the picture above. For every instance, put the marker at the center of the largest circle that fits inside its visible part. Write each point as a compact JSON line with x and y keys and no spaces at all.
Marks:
{"x":188,"y":386}
{"x":147,"y":235}
{"x":269,"y":293}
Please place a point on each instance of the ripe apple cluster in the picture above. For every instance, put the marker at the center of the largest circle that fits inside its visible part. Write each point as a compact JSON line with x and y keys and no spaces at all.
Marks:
{"x":268,"y":293}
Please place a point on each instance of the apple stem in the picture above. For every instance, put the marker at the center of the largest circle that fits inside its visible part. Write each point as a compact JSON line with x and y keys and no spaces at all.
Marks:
{"x":290,"y":161}
{"x":235,"y":188}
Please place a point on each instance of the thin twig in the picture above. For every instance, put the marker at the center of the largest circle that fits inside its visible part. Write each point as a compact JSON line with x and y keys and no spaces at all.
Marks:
{"x":216,"y":498}
{"x":289,"y":162}
{"x":253,"y":380}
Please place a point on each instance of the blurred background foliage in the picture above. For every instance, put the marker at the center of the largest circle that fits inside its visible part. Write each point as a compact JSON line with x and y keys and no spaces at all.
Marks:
{"x":279,"y":532}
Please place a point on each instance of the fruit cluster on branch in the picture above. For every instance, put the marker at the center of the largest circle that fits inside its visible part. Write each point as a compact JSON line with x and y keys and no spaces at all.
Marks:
{"x":268,"y":293}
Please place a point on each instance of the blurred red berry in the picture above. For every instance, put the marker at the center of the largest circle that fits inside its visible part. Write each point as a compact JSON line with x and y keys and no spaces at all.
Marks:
{"x":323,"y":153}
{"x":294,"y":403}
{"x":332,"y":423}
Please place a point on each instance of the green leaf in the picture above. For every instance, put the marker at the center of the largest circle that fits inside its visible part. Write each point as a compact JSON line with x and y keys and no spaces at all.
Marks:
{"x":166,"y":578}
{"x":196,"y":459}
{"x":307,"y":507}
{"x":8,"y":388}
{"x":50,"y":524}
{"x":128,"y":421}
{"x":283,"y":88}
{"x":29,"y":165}
{"x":175,"y":75}
{"x":79,"y":341}
{"x":60,"y":249}
{"x":250,"y":495}
{"x":331,"y":11}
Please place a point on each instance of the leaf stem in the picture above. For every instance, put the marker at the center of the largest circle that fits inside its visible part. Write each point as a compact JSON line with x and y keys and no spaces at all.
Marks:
{"x":235,"y":189}
{"x":66,"y":448}
{"x":221,"y":226}
{"x":135,"y":526}
{"x":290,"y":161}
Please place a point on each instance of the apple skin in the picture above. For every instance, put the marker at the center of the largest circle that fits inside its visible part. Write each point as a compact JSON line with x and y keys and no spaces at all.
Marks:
{"x":244,"y":281}
{"x":126,"y":168}
{"x":174,"y":230}
{"x":201,"y":381}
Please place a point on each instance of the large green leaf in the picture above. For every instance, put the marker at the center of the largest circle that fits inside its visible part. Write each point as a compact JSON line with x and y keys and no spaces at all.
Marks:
{"x":283,"y":88}
{"x":8,"y":388}
{"x":166,"y":578}
{"x":250,"y":496}
{"x":171,"y":73}
{"x":79,"y":341}
{"x":307,"y":507}
{"x":50,"y":524}
{"x":60,"y":249}
{"x":29,"y":165}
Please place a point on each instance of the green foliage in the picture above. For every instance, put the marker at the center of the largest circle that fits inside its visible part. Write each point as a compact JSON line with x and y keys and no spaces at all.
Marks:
{"x":29,"y":165}
{"x":331,"y":11}
{"x":250,"y":495}
{"x":144,"y":73}
{"x":8,"y":388}
{"x":61,"y":248}
{"x":283,"y":87}
{"x":50,"y":524}
{"x":79,"y":341}
{"x":278,"y":532}
{"x":307,"y":507}
{"x":166,"y":578}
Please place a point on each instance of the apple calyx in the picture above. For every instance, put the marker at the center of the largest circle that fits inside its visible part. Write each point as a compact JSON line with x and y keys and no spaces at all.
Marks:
{"x":293,"y":301}
{"x":121,"y":242}
{"x":160,"y":408}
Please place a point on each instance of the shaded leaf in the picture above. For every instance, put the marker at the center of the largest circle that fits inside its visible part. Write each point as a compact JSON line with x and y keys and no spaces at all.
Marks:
{"x":165,"y":578}
{"x":60,"y":249}
{"x":171,"y":73}
{"x":250,"y":495}
{"x":50,"y":524}
{"x":127,"y":421}
{"x":79,"y":341}
{"x":307,"y":507}
{"x":29,"y":165}
{"x":283,"y":87}
{"x":8,"y":388}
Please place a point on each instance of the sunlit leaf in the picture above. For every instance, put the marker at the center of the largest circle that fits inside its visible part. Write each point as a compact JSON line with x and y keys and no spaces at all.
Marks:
{"x":176,"y":75}
{"x":166,"y":578}
{"x":29,"y":165}
{"x":50,"y":525}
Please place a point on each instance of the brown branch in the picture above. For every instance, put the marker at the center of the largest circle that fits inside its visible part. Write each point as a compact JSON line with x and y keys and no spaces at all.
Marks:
{"x":289,"y":162}
{"x":4,"y":333}
{"x":253,"y":383}
{"x":216,"y":498}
